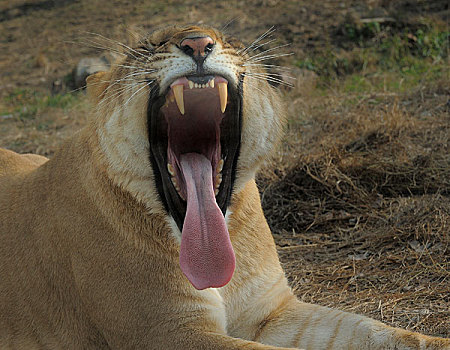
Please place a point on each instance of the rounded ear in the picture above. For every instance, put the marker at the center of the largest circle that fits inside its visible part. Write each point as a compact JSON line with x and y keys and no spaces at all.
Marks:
{"x":96,"y":85}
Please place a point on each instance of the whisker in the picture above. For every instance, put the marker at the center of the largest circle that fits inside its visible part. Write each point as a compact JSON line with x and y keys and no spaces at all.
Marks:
{"x":145,"y":85}
{"x":268,"y":50}
{"x":95,"y":45}
{"x":119,"y":43}
{"x":266,"y":43}
{"x":254,"y":86}
{"x":127,"y":66}
{"x":263,"y":58}
{"x":228,"y":23}
{"x":272,"y":67}
{"x":270,"y":79}
{"x":118,"y":91}
{"x":110,"y":98}
{"x":139,"y":73}
{"x":264,"y":35}
{"x":274,"y":74}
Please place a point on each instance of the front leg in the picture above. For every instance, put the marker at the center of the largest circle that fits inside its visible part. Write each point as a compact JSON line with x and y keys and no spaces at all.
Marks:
{"x":317,"y":327}
{"x":261,"y":307}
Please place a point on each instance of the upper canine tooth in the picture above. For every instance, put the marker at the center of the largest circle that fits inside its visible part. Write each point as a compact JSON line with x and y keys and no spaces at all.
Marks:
{"x":191,"y":84}
{"x":178,"y":93}
{"x":223,"y":93}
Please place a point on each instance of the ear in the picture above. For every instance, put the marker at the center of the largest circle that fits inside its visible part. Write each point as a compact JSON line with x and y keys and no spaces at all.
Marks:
{"x":96,"y":85}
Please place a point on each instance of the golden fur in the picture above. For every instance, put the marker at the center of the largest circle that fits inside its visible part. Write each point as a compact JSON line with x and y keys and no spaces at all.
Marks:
{"x":89,"y":256}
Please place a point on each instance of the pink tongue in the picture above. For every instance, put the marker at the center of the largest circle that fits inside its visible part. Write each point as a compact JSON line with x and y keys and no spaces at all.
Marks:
{"x":206,"y":255}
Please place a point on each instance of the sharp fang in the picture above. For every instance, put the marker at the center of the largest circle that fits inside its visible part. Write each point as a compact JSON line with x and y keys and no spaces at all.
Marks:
{"x":211,"y":83}
{"x":171,"y":169}
{"x":216,"y":191}
{"x":223,"y":93}
{"x":219,"y":166}
{"x":178,"y":93}
{"x":191,"y":84}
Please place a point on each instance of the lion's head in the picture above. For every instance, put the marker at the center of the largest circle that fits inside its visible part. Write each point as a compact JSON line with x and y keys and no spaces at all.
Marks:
{"x":184,"y":121}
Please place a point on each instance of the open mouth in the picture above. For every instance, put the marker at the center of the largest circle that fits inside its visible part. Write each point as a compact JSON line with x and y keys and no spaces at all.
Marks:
{"x":194,"y":131}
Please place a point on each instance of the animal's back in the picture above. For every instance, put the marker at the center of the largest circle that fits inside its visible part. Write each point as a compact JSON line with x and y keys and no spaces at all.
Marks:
{"x":12,"y":163}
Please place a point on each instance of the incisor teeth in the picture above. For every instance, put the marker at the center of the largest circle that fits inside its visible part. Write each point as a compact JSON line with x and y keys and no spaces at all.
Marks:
{"x":171,"y":169}
{"x":211,"y":83}
{"x":223,"y":93}
{"x":191,"y":84}
{"x":178,"y":93}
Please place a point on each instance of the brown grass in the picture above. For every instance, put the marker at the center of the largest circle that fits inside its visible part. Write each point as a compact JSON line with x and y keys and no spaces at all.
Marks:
{"x":358,"y":200}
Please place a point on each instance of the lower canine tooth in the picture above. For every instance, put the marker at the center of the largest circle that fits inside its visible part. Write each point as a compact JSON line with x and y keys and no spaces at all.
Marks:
{"x":219,"y":166}
{"x":223,"y":94}
{"x":218,"y":180}
{"x":171,"y":169}
{"x":178,"y":93}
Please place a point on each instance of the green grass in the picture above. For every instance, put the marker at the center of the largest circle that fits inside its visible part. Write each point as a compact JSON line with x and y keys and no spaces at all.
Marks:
{"x":26,"y":104}
{"x":383,"y":58}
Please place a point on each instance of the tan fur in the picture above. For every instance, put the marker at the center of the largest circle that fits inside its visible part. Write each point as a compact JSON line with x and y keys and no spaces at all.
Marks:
{"x":89,"y":257}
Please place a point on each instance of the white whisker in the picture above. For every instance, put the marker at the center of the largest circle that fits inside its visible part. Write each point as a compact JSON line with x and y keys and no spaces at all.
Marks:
{"x":266,"y":43}
{"x":254,"y":86}
{"x":263,"y":58}
{"x":268,"y":50}
{"x":121,"y":44}
{"x":95,"y":45}
{"x":264,"y":35}
{"x":145,"y":85}
{"x":128,"y":66}
{"x":269,"y":79}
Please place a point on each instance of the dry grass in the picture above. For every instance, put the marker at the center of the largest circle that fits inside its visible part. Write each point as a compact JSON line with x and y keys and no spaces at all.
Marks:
{"x":361,"y":216}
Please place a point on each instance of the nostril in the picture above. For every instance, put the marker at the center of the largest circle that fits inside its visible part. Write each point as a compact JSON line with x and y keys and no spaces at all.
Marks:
{"x":197,"y":46}
{"x":209,"y":47}
{"x":187,"y":50}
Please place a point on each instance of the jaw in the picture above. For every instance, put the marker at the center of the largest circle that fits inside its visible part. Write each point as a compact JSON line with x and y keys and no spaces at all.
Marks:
{"x":202,"y":129}
{"x":195,"y":139}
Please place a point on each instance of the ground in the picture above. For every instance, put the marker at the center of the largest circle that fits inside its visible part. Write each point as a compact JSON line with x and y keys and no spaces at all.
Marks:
{"x":357,"y":194}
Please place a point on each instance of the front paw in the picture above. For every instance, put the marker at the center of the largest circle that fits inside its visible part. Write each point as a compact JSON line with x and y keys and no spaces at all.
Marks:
{"x":412,"y":341}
